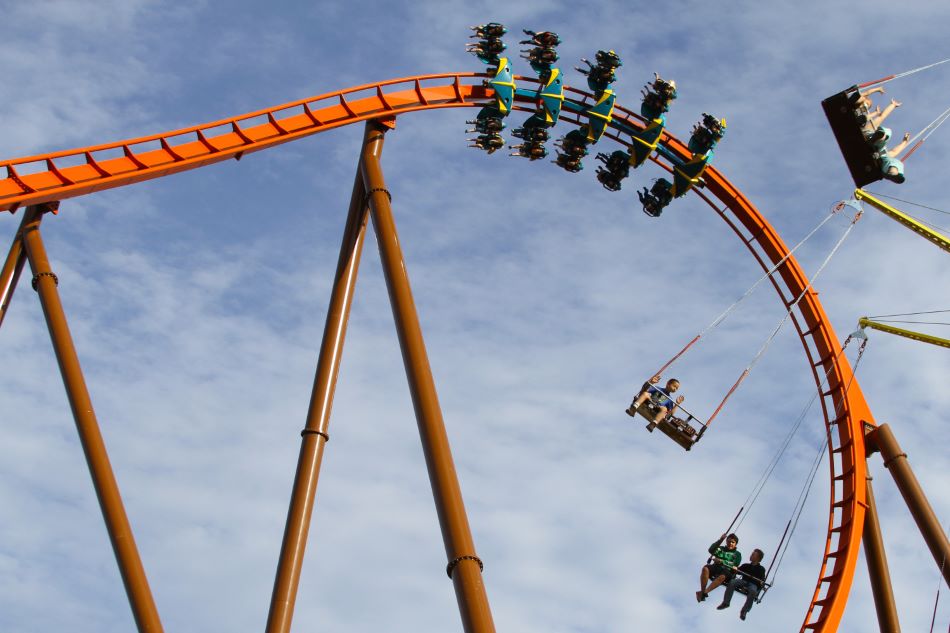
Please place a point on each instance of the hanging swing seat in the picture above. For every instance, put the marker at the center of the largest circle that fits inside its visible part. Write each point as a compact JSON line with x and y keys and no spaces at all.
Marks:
{"x":859,"y":155}
{"x":677,"y":429}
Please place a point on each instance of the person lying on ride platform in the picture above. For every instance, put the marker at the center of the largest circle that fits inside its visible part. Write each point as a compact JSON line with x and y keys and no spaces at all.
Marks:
{"x":660,"y":398}
{"x":724,"y":563}
{"x":749,"y":581}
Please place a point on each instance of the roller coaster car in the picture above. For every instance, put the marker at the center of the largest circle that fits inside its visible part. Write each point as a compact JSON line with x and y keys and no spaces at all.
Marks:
{"x":532,"y":133}
{"x":617,"y":168}
{"x":656,"y":198}
{"x":488,"y":142}
{"x":503,"y":83}
{"x":677,"y":429}
{"x":490,"y":30}
{"x":860,"y":157}
{"x":600,"y":77}
{"x":530,"y":150}
{"x":657,"y":97}
{"x":540,"y":59}
{"x":707,"y":134}
{"x":569,"y":163}
{"x":574,"y":144}
{"x":544,"y":39}
{"x":599,"y":115}
{"x":488,"y":51}
{"x":487,"y":122}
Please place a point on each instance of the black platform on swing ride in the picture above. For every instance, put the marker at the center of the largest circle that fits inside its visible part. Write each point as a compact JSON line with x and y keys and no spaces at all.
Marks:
{"x":861,"y":158}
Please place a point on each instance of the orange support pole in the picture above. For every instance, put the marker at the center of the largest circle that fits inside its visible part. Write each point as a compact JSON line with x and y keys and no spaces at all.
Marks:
{"x":464,"y":567}
{"x":895,"y":460}
{"x":117,"y":523}
{"x":314,"y":435}
{"x":878,"y":570}
{"x":12,"y":267}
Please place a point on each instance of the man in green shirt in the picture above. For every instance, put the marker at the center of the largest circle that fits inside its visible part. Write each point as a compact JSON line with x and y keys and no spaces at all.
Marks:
{"x":725,"y":560}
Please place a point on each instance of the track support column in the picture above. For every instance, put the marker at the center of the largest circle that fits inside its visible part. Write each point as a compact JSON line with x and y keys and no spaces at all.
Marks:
{"x":464,"y":567}
{"x":12,"y":267}
{"x":315,"y":435}
{"x":877,"y":568}
{"x":895,"y":460}
{"x":117,"y":523}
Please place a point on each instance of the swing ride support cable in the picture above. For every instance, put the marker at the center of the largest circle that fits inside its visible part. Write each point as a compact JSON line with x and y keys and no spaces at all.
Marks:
{"x":722,"y":317}
{"x":899,"y":75}
{"x":767,"y":473}
{"x":778,"y":549}
{"x":895,"y":461}
{"x":878,"y":571}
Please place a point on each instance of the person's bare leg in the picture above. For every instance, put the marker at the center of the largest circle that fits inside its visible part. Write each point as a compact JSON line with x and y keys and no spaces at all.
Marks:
{"x":718,"y":581}
{"x":660,"y":414}
{"x":703,"y":581}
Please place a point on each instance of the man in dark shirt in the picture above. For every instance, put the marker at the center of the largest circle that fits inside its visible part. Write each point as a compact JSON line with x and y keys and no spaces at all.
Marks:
{"x":749,"y":580}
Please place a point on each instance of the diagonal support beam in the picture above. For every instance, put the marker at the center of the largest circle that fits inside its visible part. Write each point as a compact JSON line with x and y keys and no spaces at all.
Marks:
{"x":103,"y":479}
{"x":464,"y":567}
{"x":12,"y":267}
{"x":315,"y":434}
{"x":878,"y":570}
{"x":895,"y":460}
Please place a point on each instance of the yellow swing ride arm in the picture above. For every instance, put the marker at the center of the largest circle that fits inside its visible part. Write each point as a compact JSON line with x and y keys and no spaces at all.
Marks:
{"x":924,"y":231}
{"x":864,"y":322}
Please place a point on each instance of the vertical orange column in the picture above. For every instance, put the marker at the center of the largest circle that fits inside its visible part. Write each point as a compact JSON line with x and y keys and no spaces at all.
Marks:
{"x":10,"y":273}
{"x":315,"y":434}
{"x":117,"y":523}
{"x":464,"y":567}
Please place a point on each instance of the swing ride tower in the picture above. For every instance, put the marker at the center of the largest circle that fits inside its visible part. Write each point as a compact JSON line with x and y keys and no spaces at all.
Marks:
{"x":39,"y":185}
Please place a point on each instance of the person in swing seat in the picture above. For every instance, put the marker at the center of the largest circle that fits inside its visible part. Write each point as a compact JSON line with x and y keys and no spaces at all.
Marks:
{"x":659,"y":398}
{"x":749,"y":579}
{"x":725,"y":561}
{"x":891,"y":167}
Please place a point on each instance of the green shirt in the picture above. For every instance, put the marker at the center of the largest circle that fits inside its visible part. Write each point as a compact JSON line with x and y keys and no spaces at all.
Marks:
{"x":728,"y":557}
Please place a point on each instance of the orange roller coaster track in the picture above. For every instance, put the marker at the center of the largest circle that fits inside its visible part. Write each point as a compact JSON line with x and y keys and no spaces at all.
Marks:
{"x":61,"y":175}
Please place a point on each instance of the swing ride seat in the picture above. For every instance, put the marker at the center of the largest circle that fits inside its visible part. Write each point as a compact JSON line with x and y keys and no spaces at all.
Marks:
{"x":677,"y":429}
{"x":859,"y":155}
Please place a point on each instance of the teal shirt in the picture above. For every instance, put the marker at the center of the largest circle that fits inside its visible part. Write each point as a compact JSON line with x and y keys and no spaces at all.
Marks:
{"x":728,"y":557}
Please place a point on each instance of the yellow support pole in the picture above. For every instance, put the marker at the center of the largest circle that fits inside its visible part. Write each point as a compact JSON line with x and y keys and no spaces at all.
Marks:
{"x":927,"y":233}
{"x":864,"y":322}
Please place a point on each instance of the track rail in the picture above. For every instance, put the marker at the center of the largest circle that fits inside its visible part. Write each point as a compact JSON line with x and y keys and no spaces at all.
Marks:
{"x":67,"y":174}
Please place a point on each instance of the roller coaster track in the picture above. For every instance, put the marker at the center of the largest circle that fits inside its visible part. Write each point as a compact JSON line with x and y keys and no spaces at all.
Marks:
{"x":67,"y":174}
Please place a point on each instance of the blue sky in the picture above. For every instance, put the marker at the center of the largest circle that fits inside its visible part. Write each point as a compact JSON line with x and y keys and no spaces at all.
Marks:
{"x":197,"y":304}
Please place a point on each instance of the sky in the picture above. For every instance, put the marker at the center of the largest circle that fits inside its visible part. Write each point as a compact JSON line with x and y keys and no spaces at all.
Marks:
{"x":197,"y":304}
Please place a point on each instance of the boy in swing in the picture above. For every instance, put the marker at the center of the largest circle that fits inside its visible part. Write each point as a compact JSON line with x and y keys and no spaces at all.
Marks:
{"x":725,"y":561}
{"x":660,"y":398}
